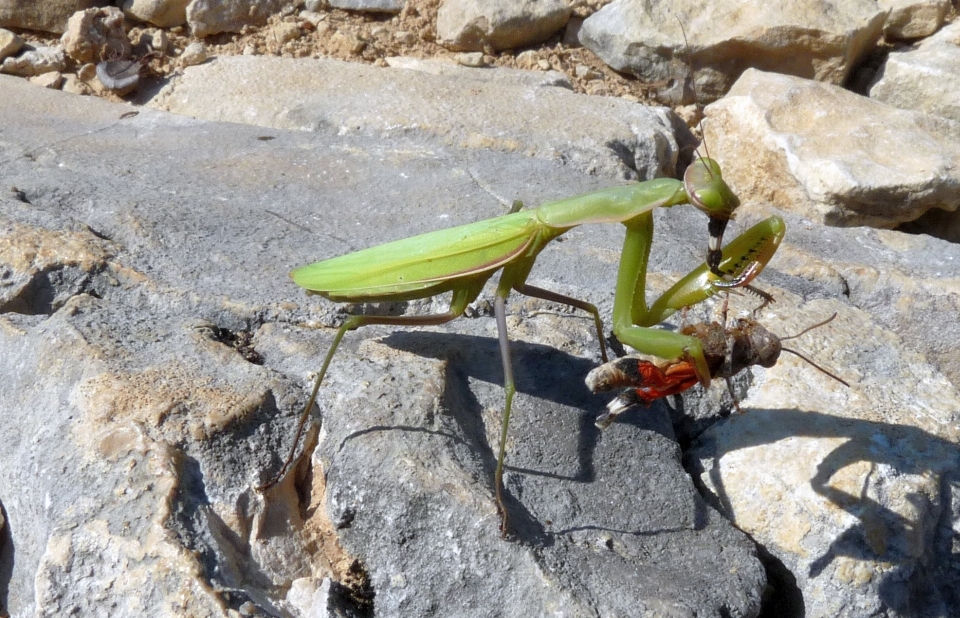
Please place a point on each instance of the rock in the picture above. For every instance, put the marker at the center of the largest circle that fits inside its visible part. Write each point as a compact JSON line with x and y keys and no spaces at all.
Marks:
{"x":716,"y":42}
{"x":169,"y":387}
{"x":74,"y":85}
{"x":87,"y":72}
{"x":10,"y":44}
{"x":207,"y":17}
{"x":35,"y":61}
{"x":95,"y":35}
{"x":852,"y":490}
{"x":286,"y":31}
{"x":926,"y":79}
{"x":472,"y":25}
{"x":46,"y":16}
{"x":552,"y":123}
{"x":52,"y":80}
{"x":471,"y":59}
{"x":832,"y":155}
{"x":193,"y":54}
{"x":532,"y":79}
{"x":369,"y":6}
{"x":159,"y":41}
{"x":160,"y":13}
{"x":119,"y":76}
{"x":913,"y":19}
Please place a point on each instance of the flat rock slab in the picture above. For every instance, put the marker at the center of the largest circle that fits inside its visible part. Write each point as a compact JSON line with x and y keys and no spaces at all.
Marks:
{"x":142,"y":251}
{"x":475,"y":109}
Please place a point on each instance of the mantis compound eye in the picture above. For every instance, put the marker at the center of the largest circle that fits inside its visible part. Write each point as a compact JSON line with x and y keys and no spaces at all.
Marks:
{"x":707,"y":190}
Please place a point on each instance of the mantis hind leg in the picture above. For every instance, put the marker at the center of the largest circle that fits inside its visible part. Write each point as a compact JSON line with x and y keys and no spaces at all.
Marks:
{"x":461,"y":298}
{"x":509,"y":387}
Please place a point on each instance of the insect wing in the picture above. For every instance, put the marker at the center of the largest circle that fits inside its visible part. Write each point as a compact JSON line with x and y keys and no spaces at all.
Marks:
{"x":422,"y":261}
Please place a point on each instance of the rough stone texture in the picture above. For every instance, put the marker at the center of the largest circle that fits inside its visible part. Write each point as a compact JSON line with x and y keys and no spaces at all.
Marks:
{"x":913,"y":19}
{"x":371,"y":6}
{"x":926,"y":79}
{"x":832,"y":155}
{"x":46,"y":15}
{"x":472,"y":25}
{"x":136,"y":432}
{"x":208,"y":17}
{"x":816,"y":39}
{"x":94,"y":35}
{"x":193,"y":54}
{"x":34,"y":62}
{"x":10,"y":43}
{"x":854,"y":490}
{"x":162,"y":13}
{"x":613,"y":137}
{"x":47,"y":80}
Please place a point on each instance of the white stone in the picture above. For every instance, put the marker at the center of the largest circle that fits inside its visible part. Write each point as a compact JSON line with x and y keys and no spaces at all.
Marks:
{"x":925,"y":79}
{"x":831,"y":155}
{"x":35,"y":61}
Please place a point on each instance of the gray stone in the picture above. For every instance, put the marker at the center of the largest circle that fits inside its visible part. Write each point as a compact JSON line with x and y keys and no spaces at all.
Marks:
{"x":472,"y":25}
{"x":45,"y":15}
{"x":207,"y":17}
{"x":612,"y":137}
{"x":162,"y":13}
{"x":34,"y":61}
{"x":715,"y":42}
{"x":136,"y":432}
{"x":369,"y":6}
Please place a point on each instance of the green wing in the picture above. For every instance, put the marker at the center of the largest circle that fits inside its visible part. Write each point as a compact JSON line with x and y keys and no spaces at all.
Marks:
{"x":430,"y":261}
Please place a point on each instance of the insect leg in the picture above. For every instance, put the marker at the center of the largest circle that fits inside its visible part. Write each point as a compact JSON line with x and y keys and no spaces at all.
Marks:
{"x":535,"y":292}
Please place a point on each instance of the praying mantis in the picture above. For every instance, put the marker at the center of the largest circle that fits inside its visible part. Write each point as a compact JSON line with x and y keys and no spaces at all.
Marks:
{"x":462,"y":259}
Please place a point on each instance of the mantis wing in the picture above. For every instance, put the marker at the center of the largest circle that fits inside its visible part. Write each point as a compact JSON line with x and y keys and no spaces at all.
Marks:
{"x":425,"y":264}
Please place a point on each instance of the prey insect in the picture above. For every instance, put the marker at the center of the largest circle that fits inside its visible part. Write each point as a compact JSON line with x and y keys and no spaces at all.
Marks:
{"x":728,"y":351}
{"x":462,"y":259}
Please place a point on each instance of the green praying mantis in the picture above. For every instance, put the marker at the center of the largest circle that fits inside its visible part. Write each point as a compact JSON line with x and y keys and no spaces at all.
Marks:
{"x":462,"y":259}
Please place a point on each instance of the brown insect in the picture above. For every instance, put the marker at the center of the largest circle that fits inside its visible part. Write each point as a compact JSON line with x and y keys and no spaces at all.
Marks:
{"x":728,"y":351}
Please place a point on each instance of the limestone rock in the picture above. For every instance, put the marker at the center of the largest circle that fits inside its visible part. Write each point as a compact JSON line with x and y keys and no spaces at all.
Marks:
{"x":207,"y":17}
{"x":52,"y":79}
{"x":816,"y":39}
{"x":472,"y":25}
{"x":46,"y":16}
{"x":832,"y":155}
{"x":34,"y":61}
{"x":10,"y":43}
{"x":926,"y":79}
{"x":552,"y":123}
{"x":95,"y":35}
{"x":162,"y":13}
{"x":913,"y":19}
{"x":853,"y":490}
